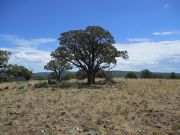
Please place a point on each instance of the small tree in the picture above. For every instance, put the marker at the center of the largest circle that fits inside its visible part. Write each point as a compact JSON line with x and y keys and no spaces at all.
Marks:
{"x":58,"y":67}
{"x":4,"y":57}
{"x":131,"y":75}
{"x":146,"y":74}
{"x":173,"y":75}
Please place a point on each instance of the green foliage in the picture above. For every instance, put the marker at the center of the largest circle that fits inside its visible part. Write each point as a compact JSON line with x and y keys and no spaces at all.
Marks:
{"x":146,"y":74}
{"x":58,"y":66}
{"x":68,"y":76}
{"x":18,"y":71}
{"x":80,"y":74}
{"x":41,"y":85}
{"x":131,"y":75}
{"x":173,"y":76}
{"x":4,"y":57}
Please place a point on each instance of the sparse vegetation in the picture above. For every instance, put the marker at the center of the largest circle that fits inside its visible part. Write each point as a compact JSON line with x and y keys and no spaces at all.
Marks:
{"x":128,"y":106}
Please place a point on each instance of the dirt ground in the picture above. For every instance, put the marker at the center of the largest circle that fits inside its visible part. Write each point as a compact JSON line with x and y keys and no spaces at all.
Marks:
{"x":127,"y":107}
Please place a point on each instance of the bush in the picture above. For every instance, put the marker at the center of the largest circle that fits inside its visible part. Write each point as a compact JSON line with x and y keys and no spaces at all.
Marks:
{"x":131,"y":75}
{"x":108,"y":76}
{"x":41,"y":85}
{"x":173,"y":75}
{"x":146,"y":74}
{"x":68,"y":76}
{"x":81,"y":74}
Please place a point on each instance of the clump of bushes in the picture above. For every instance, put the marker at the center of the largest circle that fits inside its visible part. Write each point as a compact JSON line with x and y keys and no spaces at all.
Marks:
{"x":41,"y":85}
{"x":146,"y":74}
{"x":131,"y":75}
{"x":173,"y":76}
{"x":107,"y":75}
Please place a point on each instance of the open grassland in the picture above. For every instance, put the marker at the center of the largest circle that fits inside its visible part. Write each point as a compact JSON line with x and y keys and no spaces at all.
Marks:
{"x":127,"y":107}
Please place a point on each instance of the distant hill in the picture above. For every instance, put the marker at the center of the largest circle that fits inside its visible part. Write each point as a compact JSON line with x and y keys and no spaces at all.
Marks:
{"x":124,"y":73}
{"x":40,"y":75}
{"x":44,"y":75}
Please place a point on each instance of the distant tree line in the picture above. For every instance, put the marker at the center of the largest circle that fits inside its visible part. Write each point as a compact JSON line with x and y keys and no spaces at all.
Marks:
{"x":148,"y":74}
{"x":9,"y":71}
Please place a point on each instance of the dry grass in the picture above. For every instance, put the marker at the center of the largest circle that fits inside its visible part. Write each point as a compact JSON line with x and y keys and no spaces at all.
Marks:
{"x":128,"y":107}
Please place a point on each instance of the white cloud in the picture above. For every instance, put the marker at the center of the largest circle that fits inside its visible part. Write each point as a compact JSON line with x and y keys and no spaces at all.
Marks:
{"x":26,"y":42}
{"x":155,"y":55}
{"x":163,"y":56}
{"x":28,"y":52}
{"x":162,"y":33}
{"x":165,"y":33}
{"x":138,"y":39}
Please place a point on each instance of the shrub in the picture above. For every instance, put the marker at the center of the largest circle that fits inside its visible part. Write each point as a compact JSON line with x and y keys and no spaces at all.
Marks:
{"x":41,"y":85}
{"x":131,"y":75}
{"x":108,"y":76}
{"x":81,"y":75}
{"x":173,"y":75}
{"x":68,"y":76}
{"x":146,"y":74}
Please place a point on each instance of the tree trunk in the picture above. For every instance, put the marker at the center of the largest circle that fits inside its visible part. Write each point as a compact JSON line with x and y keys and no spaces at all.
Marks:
{"x":90,"y":78}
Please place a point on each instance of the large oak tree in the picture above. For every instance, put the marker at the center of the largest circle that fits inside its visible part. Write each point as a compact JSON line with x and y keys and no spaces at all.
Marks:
{"x":90,"y":50}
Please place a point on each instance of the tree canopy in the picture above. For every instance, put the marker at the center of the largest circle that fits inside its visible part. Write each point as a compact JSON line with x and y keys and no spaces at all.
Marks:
{"x":58,"y":65}
{"x":18,"y":71}
{"x":90,"y":50}
{"x":4,"y":57}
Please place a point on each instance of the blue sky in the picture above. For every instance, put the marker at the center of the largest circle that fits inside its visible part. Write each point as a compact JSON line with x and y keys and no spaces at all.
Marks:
{"x":148,"y":29}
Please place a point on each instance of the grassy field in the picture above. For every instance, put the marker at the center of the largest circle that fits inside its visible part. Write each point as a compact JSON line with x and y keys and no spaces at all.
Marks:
{"x":127,"y":107}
